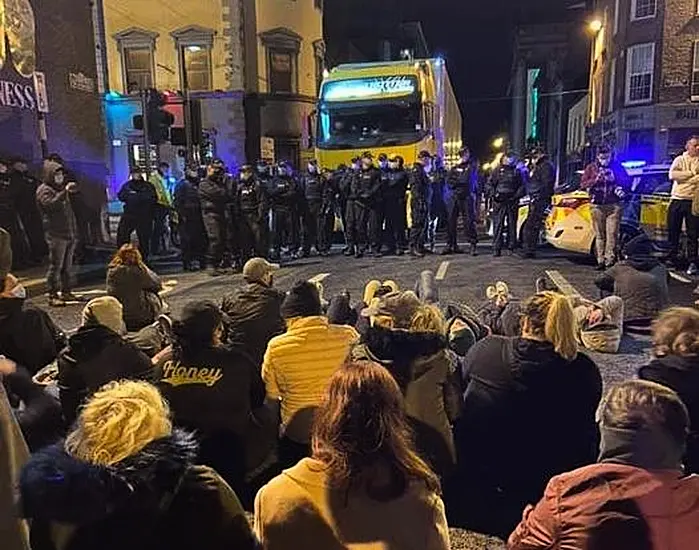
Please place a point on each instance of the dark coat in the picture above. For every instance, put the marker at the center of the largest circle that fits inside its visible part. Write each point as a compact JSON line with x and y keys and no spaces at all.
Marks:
{"x":20,"y":323}
{"x":216,"y":195}
{"x":423,"y":368}
{"x":254,"y":318}
{"x":95,"y":356}
{"x":155,"y":499}
{"x":603,"y":181}
{"x":139,"y":198}
{"x":528,"y":415}
{"x":506,"y":184}
{"x":56,"y":210}
{"x":682,"y":375}
{"x":543,"y":179}
{"x":137,"y":289}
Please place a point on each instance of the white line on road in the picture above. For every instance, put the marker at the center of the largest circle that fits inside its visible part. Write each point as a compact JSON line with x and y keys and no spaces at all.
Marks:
{"x":318,"y":278}
{"x":680,"y":277}
{"x":562,"y":283}
{"x":442,"y":271}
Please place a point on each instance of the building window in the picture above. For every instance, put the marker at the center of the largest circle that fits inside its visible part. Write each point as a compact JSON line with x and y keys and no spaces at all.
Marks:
{"x":643,"y":9}
{"x":137,"y":48}
{"x":283,"y":47}
{"x":194,"y":45}
{"x":695,"y":73}
{"x":612,"y":86}
{"x":319,"y":53}
{"x":640,"y":64}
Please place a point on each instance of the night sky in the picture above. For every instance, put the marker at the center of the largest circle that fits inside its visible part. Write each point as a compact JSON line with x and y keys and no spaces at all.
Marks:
{"x":476,"y":38}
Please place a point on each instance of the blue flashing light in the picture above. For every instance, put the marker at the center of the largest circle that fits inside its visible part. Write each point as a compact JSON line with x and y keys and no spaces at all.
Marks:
{"x":631,"y":164}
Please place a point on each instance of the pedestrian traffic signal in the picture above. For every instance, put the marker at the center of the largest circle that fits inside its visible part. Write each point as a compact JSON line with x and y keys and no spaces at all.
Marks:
{"x":158,"y":119}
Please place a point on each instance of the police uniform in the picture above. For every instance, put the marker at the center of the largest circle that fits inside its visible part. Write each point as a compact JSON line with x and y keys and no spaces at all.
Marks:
{"x":419,"y":187}
{"x":396,"y":209}
{"x":312,"y":187}
{"x":284,"y":198}
{"x":251,"y":201}
{"x":460,"y":200}
{"x":193,"y":241}
{"x":216,"y":196}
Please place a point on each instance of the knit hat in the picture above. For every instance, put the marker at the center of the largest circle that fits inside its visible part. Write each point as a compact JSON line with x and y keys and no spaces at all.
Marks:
{"x":303,"y":300}
{"x":106,"y":311}
{"x":461,"y":336}
{"x":638,"y":247}
{"x":197,"y":323}
{"x":400,"y":306}
{"x":255,"y":270}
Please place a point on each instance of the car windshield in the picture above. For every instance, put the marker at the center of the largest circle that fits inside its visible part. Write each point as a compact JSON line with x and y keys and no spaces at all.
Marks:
{"x":369,"y":125}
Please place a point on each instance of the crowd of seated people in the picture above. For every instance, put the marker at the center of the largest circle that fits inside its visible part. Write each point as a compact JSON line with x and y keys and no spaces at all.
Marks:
{"x":378,"y":424}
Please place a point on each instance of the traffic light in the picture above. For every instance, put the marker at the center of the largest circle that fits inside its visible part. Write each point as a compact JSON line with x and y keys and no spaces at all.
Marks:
{"x":157,"y":118}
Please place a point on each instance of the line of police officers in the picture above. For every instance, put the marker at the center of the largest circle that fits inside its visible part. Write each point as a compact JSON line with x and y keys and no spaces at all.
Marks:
{"x":269,"y":209}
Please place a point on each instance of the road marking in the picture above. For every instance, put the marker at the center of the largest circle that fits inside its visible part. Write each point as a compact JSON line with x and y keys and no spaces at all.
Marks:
{"x":318,"y":278}
{"x":680,"y":277}
{"x":562,"y":283}
{"x":168,"y":287}
{"x":442,"y":271}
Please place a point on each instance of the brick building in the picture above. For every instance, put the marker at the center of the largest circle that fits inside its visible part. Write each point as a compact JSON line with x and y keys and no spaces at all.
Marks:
{"x":644,"y":84}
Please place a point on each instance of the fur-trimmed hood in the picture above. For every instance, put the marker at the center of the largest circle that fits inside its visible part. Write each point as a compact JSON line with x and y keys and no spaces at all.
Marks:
{"x":55,"y":486}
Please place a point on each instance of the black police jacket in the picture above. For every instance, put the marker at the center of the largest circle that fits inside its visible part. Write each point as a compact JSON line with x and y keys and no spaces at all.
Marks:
{"x":396,"y":185}
{"x":418,"y":183}
{"x":462,"y":181}
{"x":543,"y":179}
{"x":506,"y":184}
{"x":284,"y":192}
{"x":186,"y":196}
{"x":368,"y":186}
{"x":313,"y":187}
{"x":251,"y":197}
{"x":215,"y":195}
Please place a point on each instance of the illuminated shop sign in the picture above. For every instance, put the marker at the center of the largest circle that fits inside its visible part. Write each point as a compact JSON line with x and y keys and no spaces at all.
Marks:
{"x":366,"y":88}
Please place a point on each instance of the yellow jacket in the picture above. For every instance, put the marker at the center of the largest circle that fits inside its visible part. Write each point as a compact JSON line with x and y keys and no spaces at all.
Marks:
{"x":298,"y":364}
{"x":160,"y":186}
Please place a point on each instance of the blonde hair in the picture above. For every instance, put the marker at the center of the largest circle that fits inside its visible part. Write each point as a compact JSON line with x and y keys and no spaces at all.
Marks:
{"x":676,"y":332}
{"x":391,"y":284}
{"x":428,"y":318}
{"x":551,"y":317}
{"x":128,"y":254}
{"x":370,"y":291}
{"x":118,"y":421}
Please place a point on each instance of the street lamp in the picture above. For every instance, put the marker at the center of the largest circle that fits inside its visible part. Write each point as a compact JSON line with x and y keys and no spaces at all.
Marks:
{"x":595,"y":25}
{"x":498,"y":143}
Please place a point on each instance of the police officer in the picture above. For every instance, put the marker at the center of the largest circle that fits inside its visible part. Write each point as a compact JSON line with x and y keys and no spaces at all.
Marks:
{"x":419,"y":188}
{"x":252,"y":205}
{"x":329,"y":206}
{"x":505,"y":189}
{"x":191,"y":224}
{"x":460,"y":201}
{"x":347,"y":202}
{"x":216,"y":196}
{"x":284,"y":198}
{"x":370,"y":202}
{"x":395,"y":194}
{"x":541,"y":184}
{"x":435,"y":202}
{"x":312,"y":187}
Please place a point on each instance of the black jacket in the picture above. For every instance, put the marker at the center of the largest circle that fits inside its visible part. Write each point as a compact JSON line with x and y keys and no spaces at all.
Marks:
{"x":284,"y":193}
{"x":367,"y":186}
{"x":682,"y":375}
{"x":396,"y":185}
{"x":56,"y":210}
{"x":254,"y":318}
{"x":418,"y":183}
{"x":462,"y":181}
{"x":542,"y":179}
{"x":95,"y":356}
{"x":312,"y":185}
{"x":528,"y":415}
{"x":425,"y":371}
{"x":156,"y":499}
{"x":216,"y":195}
{"x":186,"y":198}
{"x":139,"y":198}
{"x":136,"y":287}
{"x":506,"y":184}
{"x":251,"y":198}
{"x":21,"y":324}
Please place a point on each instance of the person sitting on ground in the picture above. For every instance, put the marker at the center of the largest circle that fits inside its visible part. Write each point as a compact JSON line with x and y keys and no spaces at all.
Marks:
{"x":28,"y":335}
{"x":124,"y":478}
{"x":637,"y":495}
{"x":600,"y":324}
{"x":298,"y":365}
{"x":365,"y":485}
{"x":528,"y":414}
{"x":136,"y":287}
{"x":409,"y":339}
{"x":216,"y":390}
{"x":97,"y":354}
{"x":675,"y":365}
{"x":501,"y":312}
{"x":340,"y":312}
{"x":640,"y":280}
{"x":253,"y":310}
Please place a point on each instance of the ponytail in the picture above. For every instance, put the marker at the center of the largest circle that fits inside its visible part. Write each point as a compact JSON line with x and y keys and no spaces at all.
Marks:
{"x":560,"y":327}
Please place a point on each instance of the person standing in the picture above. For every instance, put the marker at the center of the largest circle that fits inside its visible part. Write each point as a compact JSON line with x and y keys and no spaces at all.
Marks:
{"x":684,"y":174}
{"x":215,"y":196}
{"x":159,"y":180}
{"x":340,"y":181}
{"x":435,"y":200}
{"x":140,"y":201}
{"x":312,"y":188}
{"x":284,"y":199}
{"x":368,"y":206}
{"x":418,"y":183}
{"x":460,"y":201}
{"x":60,"y":226}
{"x":326,"y":221}
{"x":606,"y":180}
{"x":9,"y":220}
{"x":24,"y":186}
{"x":506,"y":188}
{"x":191,"y":224}
{"x":355,"y":213}
{"x":541,"y":186}
{"x":252,"y":204}
{"x":396,"y":208}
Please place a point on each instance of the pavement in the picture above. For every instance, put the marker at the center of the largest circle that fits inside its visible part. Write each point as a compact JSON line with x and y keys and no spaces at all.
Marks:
{"x":461,"y":277}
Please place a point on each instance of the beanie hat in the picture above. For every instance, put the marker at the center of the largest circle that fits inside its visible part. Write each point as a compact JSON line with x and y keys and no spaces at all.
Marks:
{"x":461,"y":336}
{"x":638,"y":247}
{"x":197,"y":324}
{"x":303,"y":300}
{"x":106,"y":311}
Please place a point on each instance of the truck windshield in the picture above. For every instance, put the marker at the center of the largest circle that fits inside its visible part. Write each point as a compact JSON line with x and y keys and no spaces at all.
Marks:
{"x":365,"y":124}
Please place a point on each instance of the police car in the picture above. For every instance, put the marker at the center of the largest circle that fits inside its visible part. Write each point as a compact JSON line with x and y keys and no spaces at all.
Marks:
{"x":569,"y":222}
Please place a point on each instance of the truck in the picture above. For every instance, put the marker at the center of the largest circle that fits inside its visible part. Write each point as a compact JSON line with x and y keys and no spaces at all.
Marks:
{"x":394,"y":107}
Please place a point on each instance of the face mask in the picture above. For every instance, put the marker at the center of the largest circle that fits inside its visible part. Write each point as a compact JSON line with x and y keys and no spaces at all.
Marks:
{"x":18,"y":292}
{"x":604,"y":161}
{"x":393,"y":165}
{"x":366,"y":165}
{"x":60,"y":179}
{"x":383,"y":164}
{"x":312,"y":168}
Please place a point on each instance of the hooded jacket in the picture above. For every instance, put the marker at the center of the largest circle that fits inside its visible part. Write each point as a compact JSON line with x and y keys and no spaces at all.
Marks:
{"x":136,"y":287}
{"x":423,"y":368}
{"x":95,"y":356}
{"x":680,"y":374}
{"x":56,"y":209}
{"x":21,"y":322}
{"x":528,"y":415}
{"x":254,"y":318}
{"x":154,"y":499}
{"x":641,"y":283}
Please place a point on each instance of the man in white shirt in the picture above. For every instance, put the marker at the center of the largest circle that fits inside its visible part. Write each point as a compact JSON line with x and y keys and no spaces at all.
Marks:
{"x":684,"y":173}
